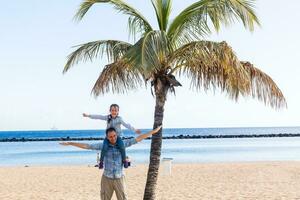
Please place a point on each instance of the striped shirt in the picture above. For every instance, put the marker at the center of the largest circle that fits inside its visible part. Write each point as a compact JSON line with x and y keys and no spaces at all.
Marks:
{"x":114,"y":122}
{"x":113,"y":166}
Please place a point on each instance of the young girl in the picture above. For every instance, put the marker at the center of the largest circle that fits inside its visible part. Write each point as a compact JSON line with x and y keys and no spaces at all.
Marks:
{"x":115,"y":121}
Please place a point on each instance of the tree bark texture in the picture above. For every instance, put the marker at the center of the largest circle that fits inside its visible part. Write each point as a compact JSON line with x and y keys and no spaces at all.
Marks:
{"x":160,"y":96}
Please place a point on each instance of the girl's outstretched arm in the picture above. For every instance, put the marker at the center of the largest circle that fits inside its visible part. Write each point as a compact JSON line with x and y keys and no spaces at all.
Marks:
{"x":101,"y":117}
{"x":128,"y":126}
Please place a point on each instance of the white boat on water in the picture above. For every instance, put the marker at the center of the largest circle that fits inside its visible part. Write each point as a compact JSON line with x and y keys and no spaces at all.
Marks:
{"x":53,"y":128}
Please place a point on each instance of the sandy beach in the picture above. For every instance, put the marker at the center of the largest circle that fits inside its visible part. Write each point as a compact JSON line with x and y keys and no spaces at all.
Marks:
{"x":252,"y":180}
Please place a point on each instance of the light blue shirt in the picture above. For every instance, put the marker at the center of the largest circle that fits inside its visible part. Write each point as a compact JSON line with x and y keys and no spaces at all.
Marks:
{"x":113,"y":166}
{"x":114,"y":122}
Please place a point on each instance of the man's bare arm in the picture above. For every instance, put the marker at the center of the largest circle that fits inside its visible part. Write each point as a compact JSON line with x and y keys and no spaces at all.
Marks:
{"x":75,"y":144}
{"x":148,"y":134}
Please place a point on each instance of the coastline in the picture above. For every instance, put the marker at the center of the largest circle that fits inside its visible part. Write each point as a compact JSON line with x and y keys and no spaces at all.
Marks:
{"x":242,"y":180}
{"x":164,"y":137}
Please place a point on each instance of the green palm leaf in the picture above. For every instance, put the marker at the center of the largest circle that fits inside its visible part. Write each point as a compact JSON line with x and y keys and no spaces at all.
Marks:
{"x":113,"y":49}
{"x":162,"y":9}
{"x":193,"y":22}
{"x":137,"y":23}
{"x":149,"y":55}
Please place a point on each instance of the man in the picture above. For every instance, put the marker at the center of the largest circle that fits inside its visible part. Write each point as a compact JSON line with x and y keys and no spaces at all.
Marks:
{"x":113,"y":176}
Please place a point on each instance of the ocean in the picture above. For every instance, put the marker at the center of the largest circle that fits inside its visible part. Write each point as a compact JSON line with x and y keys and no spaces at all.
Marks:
{"x":181,"y":150}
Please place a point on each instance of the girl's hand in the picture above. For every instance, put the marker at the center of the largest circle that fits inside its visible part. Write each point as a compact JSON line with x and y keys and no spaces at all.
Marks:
{"x":137,"y":131}
{"x":85,"y":115}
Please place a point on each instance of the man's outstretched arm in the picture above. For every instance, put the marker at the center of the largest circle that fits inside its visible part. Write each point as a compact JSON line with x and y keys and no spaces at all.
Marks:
{"x":148,"y":134}
{"x":76,"y":144}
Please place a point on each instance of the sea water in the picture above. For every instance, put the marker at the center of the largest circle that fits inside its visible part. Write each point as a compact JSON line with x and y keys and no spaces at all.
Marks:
{"x":166,"y":132}
{"x":181,"y":150}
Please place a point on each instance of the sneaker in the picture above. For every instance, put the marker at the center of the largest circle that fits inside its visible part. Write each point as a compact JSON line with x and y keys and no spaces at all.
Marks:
{"x":126,"y":164}
{"x":100,"y":165}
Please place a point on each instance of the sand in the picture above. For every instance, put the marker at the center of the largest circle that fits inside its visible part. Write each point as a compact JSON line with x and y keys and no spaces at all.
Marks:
{"x":252,"y":180}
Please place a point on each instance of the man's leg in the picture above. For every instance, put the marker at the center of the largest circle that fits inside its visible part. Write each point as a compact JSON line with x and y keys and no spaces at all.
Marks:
{"x":107,"y":188}
{"x":120,"y":188}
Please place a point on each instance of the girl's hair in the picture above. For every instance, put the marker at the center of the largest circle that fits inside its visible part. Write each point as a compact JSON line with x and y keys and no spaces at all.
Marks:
{"x":114,"y":105}
{"x":111,"y":106}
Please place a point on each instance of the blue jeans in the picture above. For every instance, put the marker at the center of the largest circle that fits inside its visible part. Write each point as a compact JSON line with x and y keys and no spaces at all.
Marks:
{"x":120,"y":145}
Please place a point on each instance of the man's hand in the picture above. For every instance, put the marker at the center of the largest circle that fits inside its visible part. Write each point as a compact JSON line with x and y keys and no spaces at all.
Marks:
{"x":65,"y":143}
{"x":137,"y":131}
{"x":148,"y":134}
{"x":85,"y":115}
{"x":156,"y":130}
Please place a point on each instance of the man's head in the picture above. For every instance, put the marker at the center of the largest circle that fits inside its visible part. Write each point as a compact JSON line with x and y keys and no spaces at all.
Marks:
{"x":111,"y":135}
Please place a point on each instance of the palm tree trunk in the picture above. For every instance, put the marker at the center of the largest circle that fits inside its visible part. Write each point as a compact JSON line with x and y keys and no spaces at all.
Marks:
{"x":149,"y":193}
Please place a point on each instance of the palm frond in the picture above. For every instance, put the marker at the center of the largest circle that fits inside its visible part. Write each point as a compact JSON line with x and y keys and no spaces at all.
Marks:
{"x":150,"y":53}
{"x":211,"y":65}
{"x":137,"y":23}
{"x":263,"y":87}
{"x":85,"y":7}
{"x":162,"y":9}
{"x":113,"y":49}
{"x":193,"y":22}
{"x":117,"y":77}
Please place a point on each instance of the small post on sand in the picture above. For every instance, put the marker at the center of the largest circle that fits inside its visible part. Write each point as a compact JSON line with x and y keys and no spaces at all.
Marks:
{"x":98,"y":157}
{"x":167,"y":166}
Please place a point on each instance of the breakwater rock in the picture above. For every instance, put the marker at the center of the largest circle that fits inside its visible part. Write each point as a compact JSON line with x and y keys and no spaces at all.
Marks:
{"x":164,"y":137}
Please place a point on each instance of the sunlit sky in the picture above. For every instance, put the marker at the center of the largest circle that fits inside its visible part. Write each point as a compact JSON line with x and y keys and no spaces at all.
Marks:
{"x":36,"y":37}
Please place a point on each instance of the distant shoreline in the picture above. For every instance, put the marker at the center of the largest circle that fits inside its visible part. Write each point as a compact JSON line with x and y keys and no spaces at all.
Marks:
{"x":166,"y":137}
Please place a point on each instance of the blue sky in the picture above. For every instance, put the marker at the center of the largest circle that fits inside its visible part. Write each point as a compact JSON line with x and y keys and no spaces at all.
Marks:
{"x":37,"y":36}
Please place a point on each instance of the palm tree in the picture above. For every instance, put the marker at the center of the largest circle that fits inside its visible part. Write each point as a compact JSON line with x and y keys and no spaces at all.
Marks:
{"x":179,"y":48}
